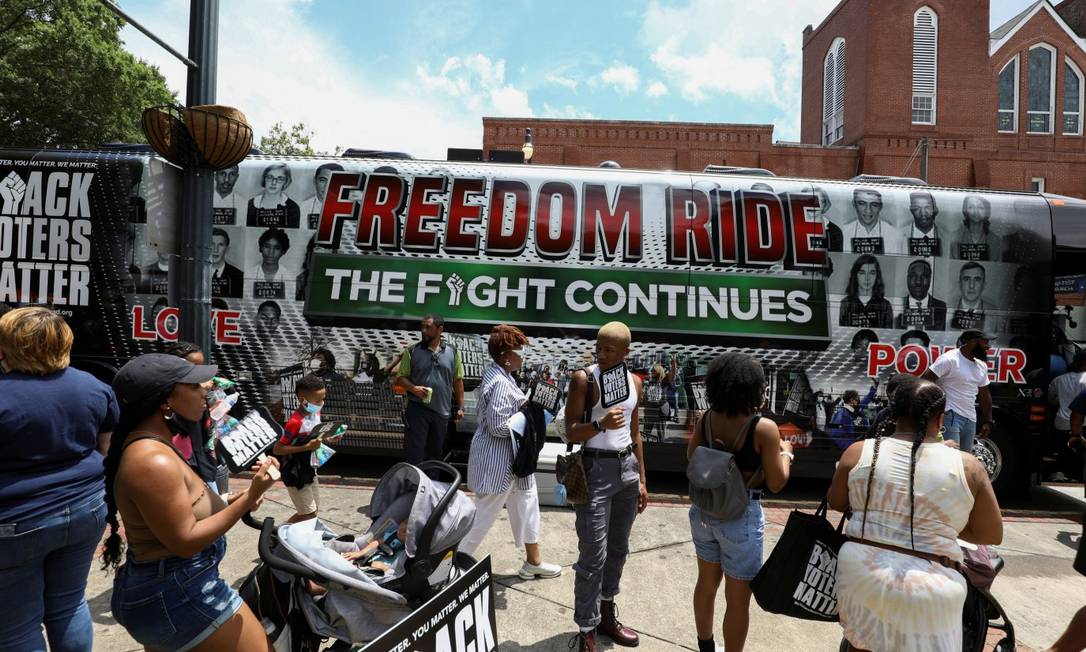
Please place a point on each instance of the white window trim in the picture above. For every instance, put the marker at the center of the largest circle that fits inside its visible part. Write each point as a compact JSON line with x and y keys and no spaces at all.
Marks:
{"x":935,"y":64}
{"x":1051,"y":93}
{"x":1017,"y":82}
{"x":1081,"y":82}
{"x":833,"y":123}
{"x":1040,"y":181}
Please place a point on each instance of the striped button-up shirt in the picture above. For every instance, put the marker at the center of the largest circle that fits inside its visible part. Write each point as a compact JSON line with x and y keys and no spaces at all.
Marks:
{"x":490,"y":463}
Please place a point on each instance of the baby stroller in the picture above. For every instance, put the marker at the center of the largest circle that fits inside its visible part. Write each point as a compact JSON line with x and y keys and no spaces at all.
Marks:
{"x":304,"y":592}
{"x":982,"y":611}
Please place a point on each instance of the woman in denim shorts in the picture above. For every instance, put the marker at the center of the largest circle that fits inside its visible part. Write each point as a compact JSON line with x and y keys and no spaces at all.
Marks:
{"x":732,"y":550}
{"x":168,"y":594}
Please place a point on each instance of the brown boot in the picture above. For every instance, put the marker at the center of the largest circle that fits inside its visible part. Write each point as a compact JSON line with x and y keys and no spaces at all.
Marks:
{"x":583,"y":642}
{"x":613,"y":629}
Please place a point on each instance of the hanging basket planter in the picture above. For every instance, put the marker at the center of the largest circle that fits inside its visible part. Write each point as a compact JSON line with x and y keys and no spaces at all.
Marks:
{"x":209,"y":136}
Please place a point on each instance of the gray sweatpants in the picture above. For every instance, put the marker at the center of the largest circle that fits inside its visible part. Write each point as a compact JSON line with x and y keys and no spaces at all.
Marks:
{"x":603,"y":533}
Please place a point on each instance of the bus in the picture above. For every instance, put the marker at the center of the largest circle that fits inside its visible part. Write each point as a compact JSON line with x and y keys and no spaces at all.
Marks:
{"x":327,"y":265}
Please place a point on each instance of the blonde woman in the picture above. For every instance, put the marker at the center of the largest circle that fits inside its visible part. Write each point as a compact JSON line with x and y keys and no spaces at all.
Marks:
{"x":55,"y":422}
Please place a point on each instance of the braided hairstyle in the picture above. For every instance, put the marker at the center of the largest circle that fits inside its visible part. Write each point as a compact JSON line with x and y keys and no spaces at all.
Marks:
{"x":885,"y":428}
{"x":131,"y":416}
{"x":919,"y":404}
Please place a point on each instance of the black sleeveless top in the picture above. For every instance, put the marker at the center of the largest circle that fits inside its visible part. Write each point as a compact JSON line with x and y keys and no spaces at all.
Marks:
{"x":746,"y":458}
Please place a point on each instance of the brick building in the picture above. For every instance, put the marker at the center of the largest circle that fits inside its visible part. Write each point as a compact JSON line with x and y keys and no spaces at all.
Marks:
{"x":1000,"y":109}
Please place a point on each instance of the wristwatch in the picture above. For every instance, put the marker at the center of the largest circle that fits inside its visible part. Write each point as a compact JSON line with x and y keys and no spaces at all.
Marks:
{"x":597,"y":426}
{"x":791,"y":456}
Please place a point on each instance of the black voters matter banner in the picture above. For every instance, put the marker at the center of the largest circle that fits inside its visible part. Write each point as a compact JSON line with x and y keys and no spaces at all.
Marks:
{"x":459,"y":619}
{"x":45,"y":234}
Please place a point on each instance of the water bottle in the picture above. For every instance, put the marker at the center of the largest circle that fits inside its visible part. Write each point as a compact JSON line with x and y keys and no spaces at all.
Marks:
{"x":222,"y":407}
{"x":560,"y":494}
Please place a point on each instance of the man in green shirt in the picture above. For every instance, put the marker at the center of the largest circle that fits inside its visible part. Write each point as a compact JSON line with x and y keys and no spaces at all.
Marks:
{"x":433,"y":377}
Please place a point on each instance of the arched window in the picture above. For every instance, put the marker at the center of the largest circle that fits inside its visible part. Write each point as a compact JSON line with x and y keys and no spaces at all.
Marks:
{"x":833,"y":93}
{"x":1041,"y":93}
{"x":925,"y":65}
{"x":1008,"y":97}
{"x":1072,"y":99}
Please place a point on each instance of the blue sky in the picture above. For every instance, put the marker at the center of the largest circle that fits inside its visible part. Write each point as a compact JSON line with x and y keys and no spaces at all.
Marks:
{"x":418,"y":76}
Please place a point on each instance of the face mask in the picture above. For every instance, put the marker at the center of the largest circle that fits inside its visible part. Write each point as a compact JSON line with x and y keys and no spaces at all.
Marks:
{"x":313,"y":408}
{"x":181,"y":426}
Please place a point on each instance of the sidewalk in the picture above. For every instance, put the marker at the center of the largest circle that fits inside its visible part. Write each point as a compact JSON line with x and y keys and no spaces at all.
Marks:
{"x":659,"y":579}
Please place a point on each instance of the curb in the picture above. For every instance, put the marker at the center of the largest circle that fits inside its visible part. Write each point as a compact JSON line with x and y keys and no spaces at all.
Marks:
{"x":680,"y":500}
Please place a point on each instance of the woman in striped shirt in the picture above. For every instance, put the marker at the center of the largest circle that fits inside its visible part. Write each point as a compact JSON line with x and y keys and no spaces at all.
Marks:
{"x":490,"y":462}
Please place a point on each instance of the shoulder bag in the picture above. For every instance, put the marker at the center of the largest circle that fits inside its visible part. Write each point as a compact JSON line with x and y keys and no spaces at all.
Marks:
{"x":569,"y":468}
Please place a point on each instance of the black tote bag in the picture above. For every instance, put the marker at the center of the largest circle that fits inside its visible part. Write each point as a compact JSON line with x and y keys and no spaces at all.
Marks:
{"x":800,"y":577}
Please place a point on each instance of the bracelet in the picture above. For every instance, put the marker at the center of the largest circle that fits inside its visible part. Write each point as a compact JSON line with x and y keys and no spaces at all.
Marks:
{"x":597,"y":426}
{"x":791,"y":456}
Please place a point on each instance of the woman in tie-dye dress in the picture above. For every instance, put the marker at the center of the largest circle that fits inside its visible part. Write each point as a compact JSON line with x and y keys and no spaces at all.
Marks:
{"x":912,"y":497}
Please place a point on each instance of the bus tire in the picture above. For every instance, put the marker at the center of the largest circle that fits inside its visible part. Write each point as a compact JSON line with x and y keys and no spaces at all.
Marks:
{"x":1002,"y":460}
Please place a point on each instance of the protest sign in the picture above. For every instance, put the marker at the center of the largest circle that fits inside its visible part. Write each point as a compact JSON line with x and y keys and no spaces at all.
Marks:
{"x":458,"y":619}
{"x":246,"y":442}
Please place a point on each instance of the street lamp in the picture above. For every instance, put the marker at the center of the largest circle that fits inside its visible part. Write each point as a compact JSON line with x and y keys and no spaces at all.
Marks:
{"x":527,"y":148}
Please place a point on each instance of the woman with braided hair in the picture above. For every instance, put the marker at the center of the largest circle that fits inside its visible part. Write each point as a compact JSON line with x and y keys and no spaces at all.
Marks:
{"x":912,"y":497}
{"x":168,"y":593}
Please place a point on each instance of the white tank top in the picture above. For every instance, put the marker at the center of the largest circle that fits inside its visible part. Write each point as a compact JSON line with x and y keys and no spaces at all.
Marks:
{"x":617,"y":439}
{"x":942,"y":499}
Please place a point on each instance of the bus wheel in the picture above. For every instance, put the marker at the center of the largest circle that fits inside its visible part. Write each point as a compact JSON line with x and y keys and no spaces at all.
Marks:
{"x":1001,"y":460}
{"x":990,"y":455}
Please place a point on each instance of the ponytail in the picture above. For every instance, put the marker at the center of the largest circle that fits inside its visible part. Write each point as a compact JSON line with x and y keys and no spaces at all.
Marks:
{"x":130,"y":418}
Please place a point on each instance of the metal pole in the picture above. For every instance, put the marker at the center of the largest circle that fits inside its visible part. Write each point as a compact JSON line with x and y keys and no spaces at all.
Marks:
{"x":109,"y":4}
{"x":194,"y":265}
{"x":924,"y":159}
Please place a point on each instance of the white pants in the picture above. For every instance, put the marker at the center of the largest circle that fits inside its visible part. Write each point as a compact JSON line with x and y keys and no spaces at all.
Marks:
{"x":523,"y":506}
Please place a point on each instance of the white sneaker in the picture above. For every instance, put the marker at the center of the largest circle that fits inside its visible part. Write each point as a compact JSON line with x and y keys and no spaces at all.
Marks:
{"x":543,"y":570}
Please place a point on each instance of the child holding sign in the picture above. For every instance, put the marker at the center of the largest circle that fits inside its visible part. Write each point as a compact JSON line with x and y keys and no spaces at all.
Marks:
{"x":298,"y":473}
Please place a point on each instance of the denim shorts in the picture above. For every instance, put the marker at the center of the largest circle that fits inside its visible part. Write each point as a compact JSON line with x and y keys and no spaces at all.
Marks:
{"x":176,"y":603}
{"x":736,"y":545}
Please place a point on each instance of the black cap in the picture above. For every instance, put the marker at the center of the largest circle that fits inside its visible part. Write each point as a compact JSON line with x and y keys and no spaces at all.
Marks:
{"x":974,"y":334}
{"x":154,"y":375}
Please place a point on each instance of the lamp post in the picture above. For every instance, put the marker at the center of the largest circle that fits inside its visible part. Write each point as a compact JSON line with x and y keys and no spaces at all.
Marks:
{"x":527,"y":148}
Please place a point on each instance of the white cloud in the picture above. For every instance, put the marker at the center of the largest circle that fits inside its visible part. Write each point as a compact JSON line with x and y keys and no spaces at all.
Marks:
{"x":624,"y":78}
{"x":478,"y":83}
{"x":561,"y":80}
{"x":709,"y":49}
{"x":567,"y":111}
{"x":656,"y":89}
{"x":277,"y":68}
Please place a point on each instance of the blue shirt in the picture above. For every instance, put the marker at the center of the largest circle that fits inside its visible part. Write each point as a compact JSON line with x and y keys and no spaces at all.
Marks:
{"x":49,"y":429}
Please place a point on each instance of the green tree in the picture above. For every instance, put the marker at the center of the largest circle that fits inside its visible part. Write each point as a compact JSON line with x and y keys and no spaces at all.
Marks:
{"x":293,"y":142}
{"x":65,"y":79}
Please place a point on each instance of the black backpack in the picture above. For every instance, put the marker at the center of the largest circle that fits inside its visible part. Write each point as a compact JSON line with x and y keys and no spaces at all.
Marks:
{"x":531,"y":442}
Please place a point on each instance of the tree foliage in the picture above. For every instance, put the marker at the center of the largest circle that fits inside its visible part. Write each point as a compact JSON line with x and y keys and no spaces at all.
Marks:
{"x":65,"y":79}
{"x":295,"y":141}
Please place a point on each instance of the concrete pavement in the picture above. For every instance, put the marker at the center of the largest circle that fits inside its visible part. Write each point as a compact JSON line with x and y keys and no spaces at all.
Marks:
{"x":1038,"y":587}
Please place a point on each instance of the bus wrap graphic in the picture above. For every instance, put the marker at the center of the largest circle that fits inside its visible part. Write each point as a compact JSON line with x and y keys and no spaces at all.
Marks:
{"x":666,"y":301}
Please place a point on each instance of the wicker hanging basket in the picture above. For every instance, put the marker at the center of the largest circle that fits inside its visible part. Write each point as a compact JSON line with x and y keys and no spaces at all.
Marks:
{"x":209,"y":136}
